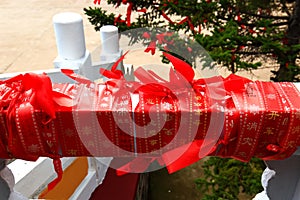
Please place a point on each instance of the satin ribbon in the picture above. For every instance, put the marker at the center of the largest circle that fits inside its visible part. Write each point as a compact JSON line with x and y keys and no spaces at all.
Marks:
{"x":156,"y":87}
{"x":274,"y":102}
{"x":240,"y":139}
{"x":37,"y":90}
{"x":41,"y":87}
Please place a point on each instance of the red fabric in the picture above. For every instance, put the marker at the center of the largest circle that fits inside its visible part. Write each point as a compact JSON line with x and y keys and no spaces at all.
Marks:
{"x":128,"y":14}
{"x":97,"y":2}
{"x":183,"y":20}
{"x":151,"y":47}
{"x":116,"y":187}
{"x":146,"y":35}
{"x":86,"y":119}
{"x":118,"y":20}
{"x":166,"y":17}
{"x":182,"y":67}
{"x":77,"y":77}
{"x":114,"y":73}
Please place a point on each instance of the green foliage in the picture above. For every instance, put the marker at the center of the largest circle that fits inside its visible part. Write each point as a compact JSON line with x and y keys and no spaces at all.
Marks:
{"x":99,"y":17}
{"x":226,"y":178}
{"x":239,"y":35}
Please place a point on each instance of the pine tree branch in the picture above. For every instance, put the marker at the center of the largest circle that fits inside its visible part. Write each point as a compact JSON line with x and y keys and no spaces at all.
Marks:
{"x":270,"y":25}
{"x":253,"y":52}
{"x":286,"y":9}
{"x":266,"y":16}
{"x":254,"y":25}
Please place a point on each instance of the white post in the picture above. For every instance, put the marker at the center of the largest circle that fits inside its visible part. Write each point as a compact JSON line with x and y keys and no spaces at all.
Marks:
{"x":110,"y":49}
{"x":110,"y":43}
{"x":70,"y":41}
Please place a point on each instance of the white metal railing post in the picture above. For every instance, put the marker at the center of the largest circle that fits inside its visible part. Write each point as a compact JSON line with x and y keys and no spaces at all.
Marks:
{"x":110,"y":52}
{"x":68,"y":28}
{"x":70,"y":41}
{"x":110,"y":43}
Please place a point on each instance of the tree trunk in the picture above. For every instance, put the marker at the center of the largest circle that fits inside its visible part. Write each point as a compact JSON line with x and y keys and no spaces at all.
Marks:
{"x":286,"y":72}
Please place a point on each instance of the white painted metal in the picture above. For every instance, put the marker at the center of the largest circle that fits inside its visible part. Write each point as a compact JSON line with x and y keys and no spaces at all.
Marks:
{"x":33,"y":177}
{"x":110,"y":36}
{"x":68,"y":28}
{"x":96,"y":174}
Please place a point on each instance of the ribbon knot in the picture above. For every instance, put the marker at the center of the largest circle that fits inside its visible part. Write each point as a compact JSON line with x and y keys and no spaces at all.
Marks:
{"x":40,"y":89}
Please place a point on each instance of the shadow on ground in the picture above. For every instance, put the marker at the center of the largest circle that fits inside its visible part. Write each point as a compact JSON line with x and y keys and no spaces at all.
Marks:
{"x":177,"y":186}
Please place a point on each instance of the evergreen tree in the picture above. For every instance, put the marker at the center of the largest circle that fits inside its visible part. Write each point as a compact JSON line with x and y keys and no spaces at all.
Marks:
{"x":239,"y":35}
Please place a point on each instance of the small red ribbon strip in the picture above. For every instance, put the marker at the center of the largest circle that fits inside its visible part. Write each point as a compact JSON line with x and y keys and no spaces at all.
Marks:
{"x":81,"y":79}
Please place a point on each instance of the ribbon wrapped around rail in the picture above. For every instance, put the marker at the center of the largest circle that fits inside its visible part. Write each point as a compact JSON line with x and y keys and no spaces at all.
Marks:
{"x":176,"y":121}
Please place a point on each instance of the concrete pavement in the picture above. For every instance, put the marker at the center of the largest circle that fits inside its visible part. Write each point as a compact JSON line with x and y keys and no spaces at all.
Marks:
{"x":27,"y":37}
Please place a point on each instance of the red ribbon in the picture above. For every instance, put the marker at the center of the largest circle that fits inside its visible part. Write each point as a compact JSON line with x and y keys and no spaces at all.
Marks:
{"x":118,"y":19}
{"x":41,"y":87}
{"x":38,"y":90}
{"x":151,"y":47}
{"x":97,"y":2}
{"x":128,"y":14}
{"x":114,"y":73}
{"x":237,"y":141}
{"x":81,"y":79}
{"x":261,"y":119}
{"x":166,"y":17}
{"x":182,"y":68}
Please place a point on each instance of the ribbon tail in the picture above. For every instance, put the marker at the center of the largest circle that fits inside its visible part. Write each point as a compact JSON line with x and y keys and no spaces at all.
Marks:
{"x":117,"y":74}
{"x":128,"y":14}
{"x":62,"y":99}
{"x":59,"y":171}
{"x":53,"y":184}
{"x":143,"y":75}
{"x":186,"y":155}
{"x":166,"y":17}
{"x":176,"y":78}
{"x":97,"y":2}
{"x":81,"y":79}
{"x":181,"y":66}
{"x":151,"y":47}
{"x":115,"y":65}
{"x":137,"y":165}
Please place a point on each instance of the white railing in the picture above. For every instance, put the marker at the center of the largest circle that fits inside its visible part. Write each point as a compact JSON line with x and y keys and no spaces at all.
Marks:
{"x":31,"y":178}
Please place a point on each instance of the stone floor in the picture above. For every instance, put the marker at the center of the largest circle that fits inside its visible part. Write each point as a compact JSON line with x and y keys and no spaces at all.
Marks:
{"x":27,"y":37}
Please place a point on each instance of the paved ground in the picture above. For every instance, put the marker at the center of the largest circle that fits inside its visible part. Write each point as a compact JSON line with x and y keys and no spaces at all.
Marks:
{"x":27,"y":38}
